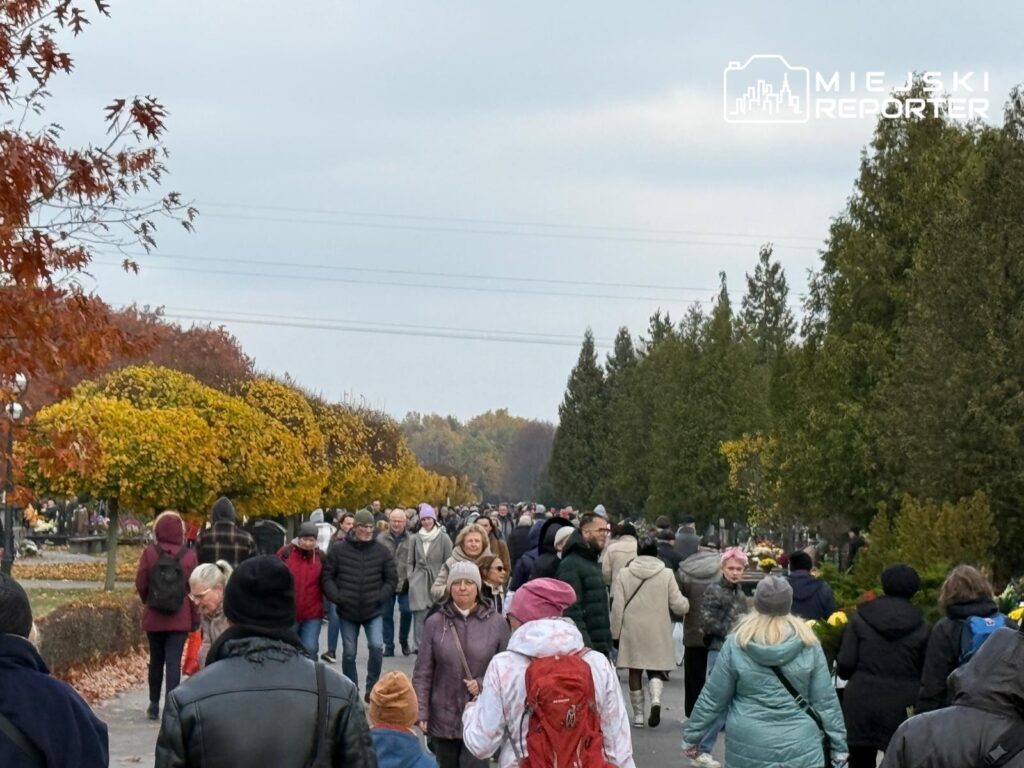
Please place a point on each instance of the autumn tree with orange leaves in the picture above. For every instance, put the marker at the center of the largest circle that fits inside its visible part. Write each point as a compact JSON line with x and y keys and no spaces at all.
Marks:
{"x":59,"y":203}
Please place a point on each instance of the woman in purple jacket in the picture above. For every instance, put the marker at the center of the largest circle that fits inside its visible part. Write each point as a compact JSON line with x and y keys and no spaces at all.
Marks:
{"x":166,"y":629}
{"x":459,"y":642}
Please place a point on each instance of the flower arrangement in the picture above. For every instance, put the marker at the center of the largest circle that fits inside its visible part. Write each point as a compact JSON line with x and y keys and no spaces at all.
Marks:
{"x":766,"y":564}
{"x":830,"y":632}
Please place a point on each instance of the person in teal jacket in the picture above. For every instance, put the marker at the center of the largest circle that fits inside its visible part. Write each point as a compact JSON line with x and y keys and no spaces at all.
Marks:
{"x":765,"y":727}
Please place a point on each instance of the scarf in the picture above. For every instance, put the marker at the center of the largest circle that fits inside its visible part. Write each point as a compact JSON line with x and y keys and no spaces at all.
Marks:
{"x":429,"y":538}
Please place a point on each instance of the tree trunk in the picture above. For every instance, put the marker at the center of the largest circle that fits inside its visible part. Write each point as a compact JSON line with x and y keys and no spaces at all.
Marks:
{"x":112,"y":532}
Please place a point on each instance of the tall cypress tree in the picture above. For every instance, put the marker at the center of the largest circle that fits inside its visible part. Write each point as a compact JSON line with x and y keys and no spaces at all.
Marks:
{"x":766,"y":314}
{"x":576,"y":457}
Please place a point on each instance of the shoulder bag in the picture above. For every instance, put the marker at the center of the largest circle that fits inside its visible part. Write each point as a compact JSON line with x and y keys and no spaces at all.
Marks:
{"x":826,"y":741}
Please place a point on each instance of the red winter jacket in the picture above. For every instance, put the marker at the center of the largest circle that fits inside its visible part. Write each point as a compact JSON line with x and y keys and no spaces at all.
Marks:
{"x":170,"y":538}
{"x":305,"y":567}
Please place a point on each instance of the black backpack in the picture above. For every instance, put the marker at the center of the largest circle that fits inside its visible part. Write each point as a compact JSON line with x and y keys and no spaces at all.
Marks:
{"x":167,"y":582}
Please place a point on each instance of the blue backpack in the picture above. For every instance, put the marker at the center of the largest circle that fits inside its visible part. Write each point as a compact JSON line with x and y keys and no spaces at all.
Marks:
{"x":975,"y":632}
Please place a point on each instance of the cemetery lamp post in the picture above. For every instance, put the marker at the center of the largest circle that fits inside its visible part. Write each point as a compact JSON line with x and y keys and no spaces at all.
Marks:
{"x":13,"y":411}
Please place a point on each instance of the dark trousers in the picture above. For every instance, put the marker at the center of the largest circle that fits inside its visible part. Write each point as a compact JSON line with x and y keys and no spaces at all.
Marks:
{"x":165,"y":649}
{"x":404,"y":620}
{"x":863,"y":757}
{"x":452,"y":753}
{"x":695,"y":671}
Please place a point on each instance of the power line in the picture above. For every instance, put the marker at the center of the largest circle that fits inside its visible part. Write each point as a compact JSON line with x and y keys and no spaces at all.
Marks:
{"x":419,"y":286}
{"x":510,"y":233}
{"x":502,"y":222}
{"x":344,"y":326}
{"x":419,"y":273}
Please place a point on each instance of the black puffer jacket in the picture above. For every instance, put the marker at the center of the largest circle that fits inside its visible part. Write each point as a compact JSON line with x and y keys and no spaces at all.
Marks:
{"x":720,"y":608}
{"x":882,"y":655}
{"x":358,"y":576}
{"x":943,"y":655}
{"x":988,"y":701}
{"x":256,"y":705}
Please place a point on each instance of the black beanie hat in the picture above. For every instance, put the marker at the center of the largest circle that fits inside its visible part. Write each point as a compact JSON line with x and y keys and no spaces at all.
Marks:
{"x":663,"y":522}
{"x":800,"y":561}
{"x":261,"y":593}
{"x":15,"y":610}
{"x":900,"y":581}
{"x":223,"y":510}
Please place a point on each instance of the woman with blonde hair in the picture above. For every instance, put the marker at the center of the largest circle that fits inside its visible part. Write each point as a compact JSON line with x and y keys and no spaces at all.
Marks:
{"x":965,"y":594}
{"x":206,"y":591}
{"x":770,"y":659}
{"x":471,"y":544}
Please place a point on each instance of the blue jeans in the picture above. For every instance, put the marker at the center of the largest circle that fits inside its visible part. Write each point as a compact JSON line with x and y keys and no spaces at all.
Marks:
{"x":333,"y":628}
{"x":404,"y":621}
{"x":708,"y":742}
{"x":374,"y":629}
{"x":309,"y":633}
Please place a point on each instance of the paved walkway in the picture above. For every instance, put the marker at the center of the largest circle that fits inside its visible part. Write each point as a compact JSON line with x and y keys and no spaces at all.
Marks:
{"x":133,"y":737}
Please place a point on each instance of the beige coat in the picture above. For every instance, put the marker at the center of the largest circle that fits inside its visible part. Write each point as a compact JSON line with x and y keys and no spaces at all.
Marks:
{"x":617,"y":554}
{"x":645,"y":632}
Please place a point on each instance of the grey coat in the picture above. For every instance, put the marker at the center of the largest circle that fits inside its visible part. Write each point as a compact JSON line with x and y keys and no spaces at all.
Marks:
{"x":423,"y":567}
{"x":400,"y":551}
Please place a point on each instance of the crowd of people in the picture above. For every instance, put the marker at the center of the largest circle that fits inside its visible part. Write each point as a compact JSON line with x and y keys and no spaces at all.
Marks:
{"x":521,"y":621}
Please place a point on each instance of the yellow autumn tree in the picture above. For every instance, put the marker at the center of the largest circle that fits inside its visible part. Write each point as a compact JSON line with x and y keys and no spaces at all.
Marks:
{"x":265,"y":468}
{"x":142,"y":459}
{"x":752,"y":474}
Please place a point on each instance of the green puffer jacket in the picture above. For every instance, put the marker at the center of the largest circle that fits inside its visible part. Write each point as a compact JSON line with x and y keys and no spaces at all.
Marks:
{"x":764,"y":727}
{"x":580,"y":570}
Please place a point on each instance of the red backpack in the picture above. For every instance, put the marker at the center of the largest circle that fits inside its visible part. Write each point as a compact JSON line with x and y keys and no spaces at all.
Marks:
{"x":564,"y":729}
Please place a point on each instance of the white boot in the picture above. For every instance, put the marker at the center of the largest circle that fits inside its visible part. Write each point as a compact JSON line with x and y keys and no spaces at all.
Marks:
{"x":636,"y":698}
{"x":655,"y":684}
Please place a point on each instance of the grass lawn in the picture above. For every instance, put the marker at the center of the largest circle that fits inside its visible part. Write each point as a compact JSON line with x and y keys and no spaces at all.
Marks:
{"x":45,"y":600}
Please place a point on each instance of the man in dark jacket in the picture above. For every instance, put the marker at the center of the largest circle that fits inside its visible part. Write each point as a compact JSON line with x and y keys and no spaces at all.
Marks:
{"x":667,"y":551}
{"x":984,"y":721}
{"x":523,"y":569}
{"x":580,"y":570}
{"x":687,"y":540}
{"x":856,"y":542}
{"x":224,"y":540}
{"x":54,"y":726}
{"x":360,"y":577}
{"x":548,"y":557}
{"x":256,"y":701}
{"x":812,"y":597}
{"x":397,"y":540}
{"x":697,"y":573}
{"x":519,"y":539}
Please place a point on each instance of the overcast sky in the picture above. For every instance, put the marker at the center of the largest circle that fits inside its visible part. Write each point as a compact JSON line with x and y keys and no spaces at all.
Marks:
{"x":366,"y":152}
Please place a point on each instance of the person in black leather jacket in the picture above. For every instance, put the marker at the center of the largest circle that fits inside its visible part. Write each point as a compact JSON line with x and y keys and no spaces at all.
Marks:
{"x":984,"y":717}
{"x":256,"y":701}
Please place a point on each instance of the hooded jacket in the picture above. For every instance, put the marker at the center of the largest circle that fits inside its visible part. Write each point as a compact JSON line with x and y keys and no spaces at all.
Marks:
{"x":499,"y":710}
{"x":438,"y":676}
{"x":358,"y":577}
{"x":943,"y":654}
{"x":988,"y":700}
{"x":882,"y":655}
{"x":399,"y":748}
{"x":48,"y":712}
{"x":274,"y":685}
{"x":306,"y":568}
{"x":580,"y":570}
{"x":812,"y":598}
{"x":619,"y":553}
{"x":645,"y":596}
{"x":764,"y":725}
{"x":697,"y":573}
{"x":523,"y":568}
{"x":519,"y":542}
{"x":547,"y":556}
{"x":170,"y":538}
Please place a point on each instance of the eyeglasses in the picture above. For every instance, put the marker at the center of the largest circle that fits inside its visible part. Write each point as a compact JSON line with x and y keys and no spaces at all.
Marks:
{"x":498,"y":568}
{"x":365,"y":525}
{"x":195,"y":597}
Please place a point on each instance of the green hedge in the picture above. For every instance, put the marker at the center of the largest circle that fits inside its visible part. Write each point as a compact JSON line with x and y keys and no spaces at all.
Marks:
{"x":84,"y":631}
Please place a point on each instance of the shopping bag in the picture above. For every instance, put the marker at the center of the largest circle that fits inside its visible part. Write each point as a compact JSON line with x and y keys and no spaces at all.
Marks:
{"x":190,"y":659}
{"x":678,"y":638}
